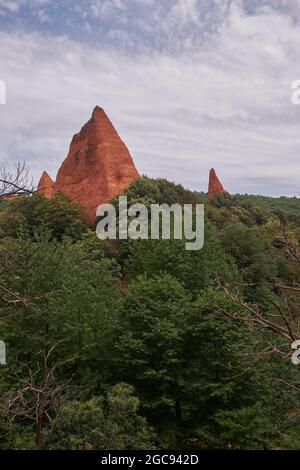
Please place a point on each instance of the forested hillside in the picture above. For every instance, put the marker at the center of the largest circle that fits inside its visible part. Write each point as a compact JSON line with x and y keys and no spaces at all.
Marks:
{"x":289,"y":205}
{"x":141,"y":344}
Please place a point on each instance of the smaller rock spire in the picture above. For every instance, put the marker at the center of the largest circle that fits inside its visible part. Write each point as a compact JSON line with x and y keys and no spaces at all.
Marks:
{"x":46,"y":185}
{"x":215,"y":186}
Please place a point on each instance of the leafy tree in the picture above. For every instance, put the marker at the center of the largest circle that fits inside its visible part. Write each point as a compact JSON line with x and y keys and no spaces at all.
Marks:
{"x":255,"y":256}
{"x":249,"y":427}
{"x":195,"y":270}
{"x":218,"y":379}
{"x":150,"y":341}
{"x":205,"y":375}
{"x":188,"y":365}
{"x":61,"y":217}
{"x":142,"y":190}
{"x":108,"y":422}
{"x":71,"y":301}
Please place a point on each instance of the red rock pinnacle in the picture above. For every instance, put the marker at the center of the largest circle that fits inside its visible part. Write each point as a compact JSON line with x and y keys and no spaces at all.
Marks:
{"x":46,"y":185}
{"x":98,"y":166}
{"x":214,"y":185}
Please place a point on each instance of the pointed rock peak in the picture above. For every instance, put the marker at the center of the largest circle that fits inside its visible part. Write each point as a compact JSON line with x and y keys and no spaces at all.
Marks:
{"x":215,"y":186}
{"x":98,"y":165}
{"x":99,"y":128}
{"x":97,"y":110}
{"x":46,"y":185}
{"x":99,"y":114}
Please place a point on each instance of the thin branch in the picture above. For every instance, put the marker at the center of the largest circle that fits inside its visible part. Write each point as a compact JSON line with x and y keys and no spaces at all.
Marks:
{"x":17,"y":183}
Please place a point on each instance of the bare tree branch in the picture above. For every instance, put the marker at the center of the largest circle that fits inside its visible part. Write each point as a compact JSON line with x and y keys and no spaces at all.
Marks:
{"x":40,"y":398}
{"x":258,"y":317}
{"x":12,"y":298}
{"x":17,"y":183}
{"x":277,"y":318}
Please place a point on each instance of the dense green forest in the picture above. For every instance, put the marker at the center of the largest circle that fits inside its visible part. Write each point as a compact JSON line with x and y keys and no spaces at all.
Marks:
{"x":141,"y":344}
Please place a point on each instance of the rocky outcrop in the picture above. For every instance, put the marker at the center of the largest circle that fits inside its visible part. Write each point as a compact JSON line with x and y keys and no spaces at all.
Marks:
{"x":214,"y":186}
{"x":98,"y":166}
{"x":46,"y":185}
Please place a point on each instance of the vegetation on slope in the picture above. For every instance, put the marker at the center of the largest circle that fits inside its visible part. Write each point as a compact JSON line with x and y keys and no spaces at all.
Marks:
{"x":162,"y":363}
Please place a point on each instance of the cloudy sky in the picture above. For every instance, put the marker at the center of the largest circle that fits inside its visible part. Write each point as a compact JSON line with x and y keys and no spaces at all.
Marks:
{"x":189,"y":85}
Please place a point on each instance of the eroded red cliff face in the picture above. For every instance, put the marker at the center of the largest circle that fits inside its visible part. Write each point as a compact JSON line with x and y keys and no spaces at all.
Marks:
{"x":46,"y":185}
{"x":214,"y":185}
{"x":98,"y":166}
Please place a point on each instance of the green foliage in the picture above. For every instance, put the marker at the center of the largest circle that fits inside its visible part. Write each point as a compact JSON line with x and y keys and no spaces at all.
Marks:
{"x":57,"y":215}
{"x":151,"y":333}
{"x":252,"y":251}
{"x":93,"y":248}
{"x":18,"y":437}
{"x":182,"y":359}
{"x":143,"y":190}
{"x":171,"y":193}
{"x":102,"y":423}
{"x":196,"y":373}
{"x":287,"y":205}
{"x":196,"y":270}
{"x":73,"y":301}
{"x":161,"y":191}
{"x":245,"y":428}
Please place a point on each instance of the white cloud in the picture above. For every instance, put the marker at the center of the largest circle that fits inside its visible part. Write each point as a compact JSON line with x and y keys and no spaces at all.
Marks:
{"x":15,"y":5}
{"x":186,"y":11}
{"x":106,"y":8}
{"x":12,"y":5}
{"x":43,"y":17}
{"x":291,"y":7}
{"x":226,"y":104}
